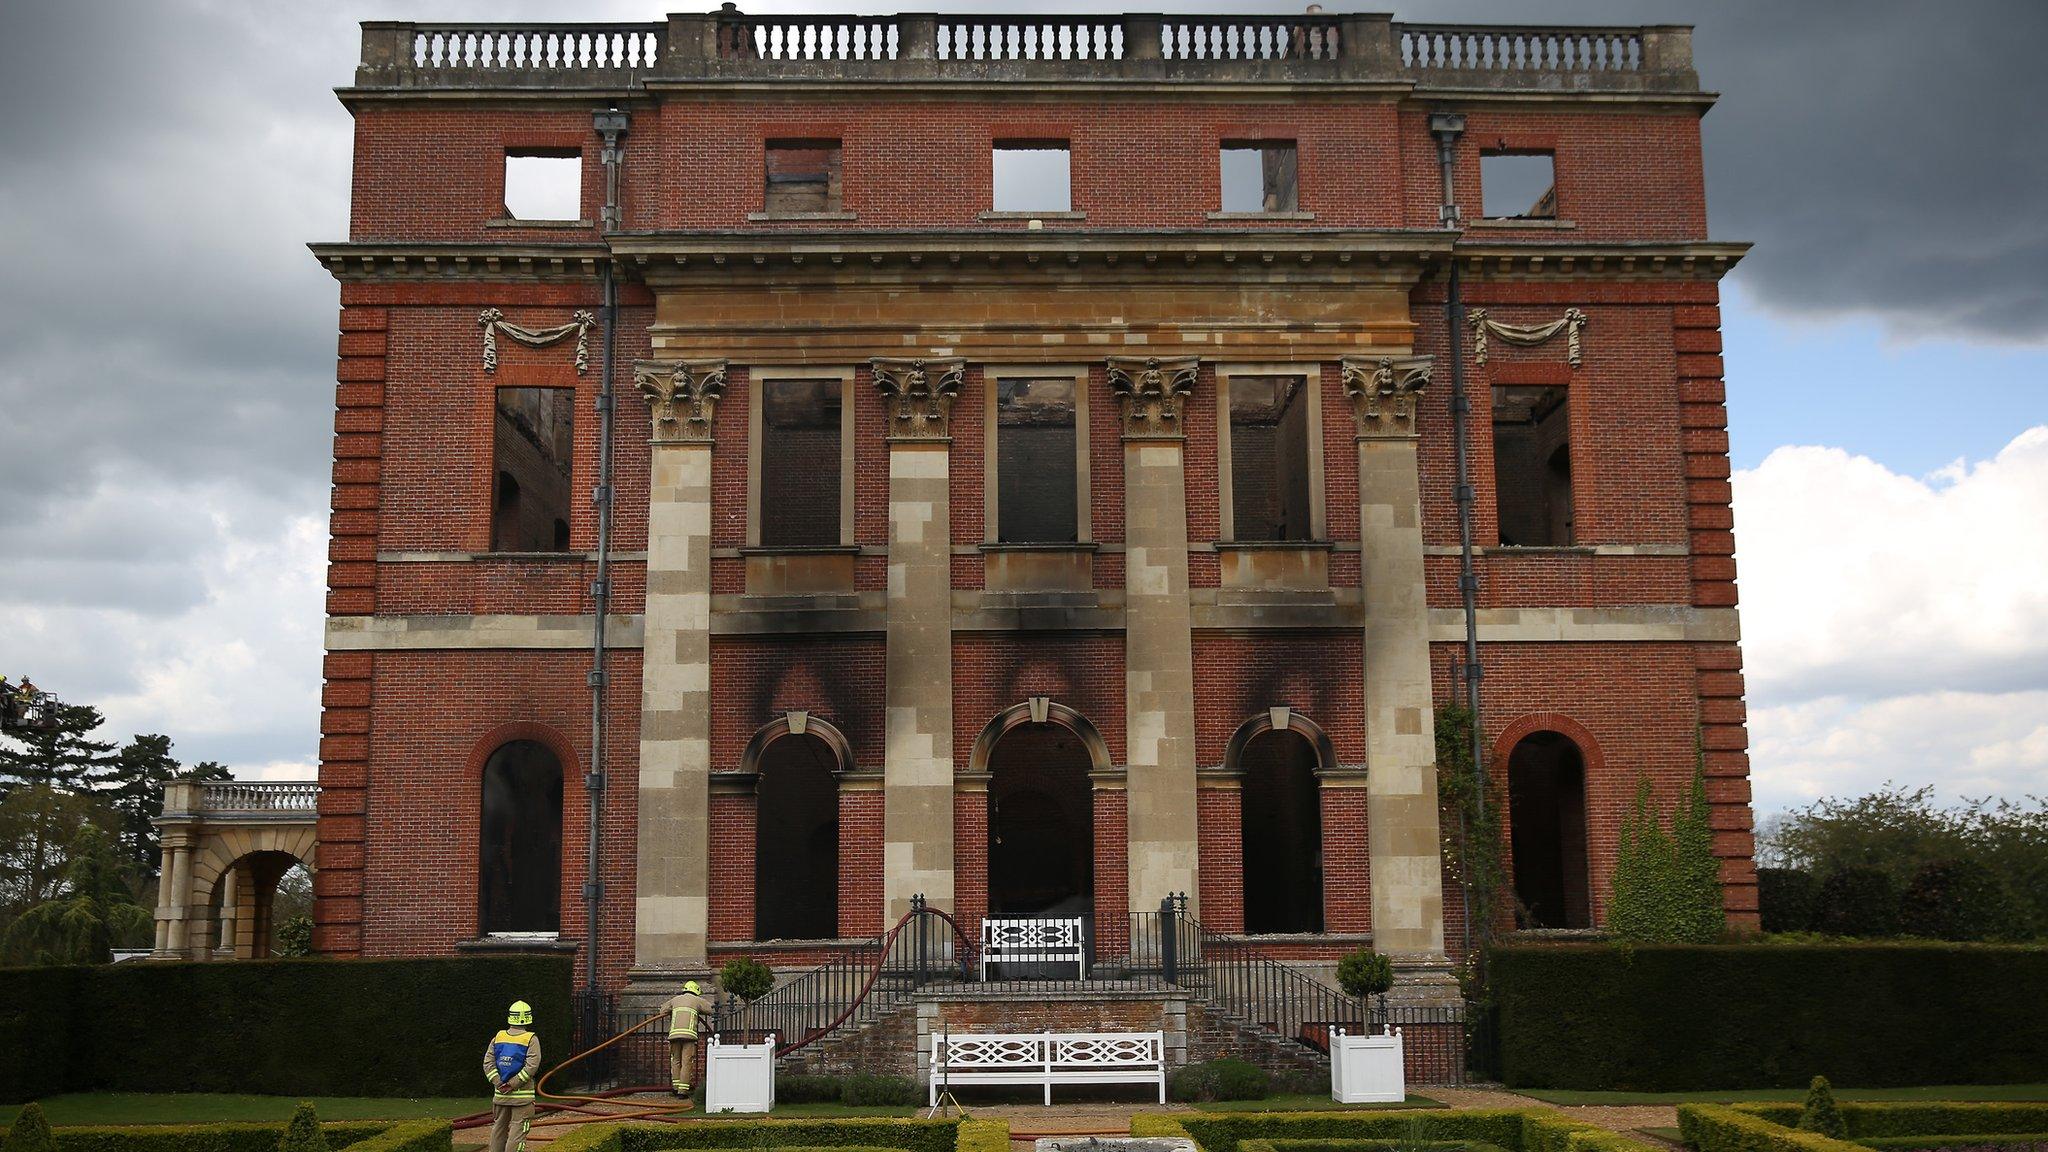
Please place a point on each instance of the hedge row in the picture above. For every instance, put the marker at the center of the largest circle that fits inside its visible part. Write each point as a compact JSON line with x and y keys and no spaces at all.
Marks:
{"x":850,"y":1135}
{"x":1888,"y":1119}
{"x":354,"y":1135}
{"x":1696,"y":1017}
{"x":2005,"y":1141}
{"x":1769,"y":1127}
{"x":1532,"y":1130}
{"x":271,"y":1027}
{"x":1387,"y":1145}
{"x":1720,"y":1128}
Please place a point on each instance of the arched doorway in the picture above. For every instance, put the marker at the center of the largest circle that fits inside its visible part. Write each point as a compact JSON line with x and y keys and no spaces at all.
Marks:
{"x":519,"y":886}
{"x":1547,"y":823}
{"x":1280,"y":824}
{"x":250,"y":898}
{"x":1041,"y":823}
{"x":796,"y":838}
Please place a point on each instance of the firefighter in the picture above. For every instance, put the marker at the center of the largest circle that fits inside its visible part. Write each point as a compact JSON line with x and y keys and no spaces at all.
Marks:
{"x":511,"y":1062}
{"x":685,"y":1011}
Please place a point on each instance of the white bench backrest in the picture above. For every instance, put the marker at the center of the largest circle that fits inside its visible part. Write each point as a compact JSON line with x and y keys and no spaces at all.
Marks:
{"x":1062,"y":1049}
{"x":1063,"y":935}
{"x":990,"y":1050}
{"x":1107,"y":1049}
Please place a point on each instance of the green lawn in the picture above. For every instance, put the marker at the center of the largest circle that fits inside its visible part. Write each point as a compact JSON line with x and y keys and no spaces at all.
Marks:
{"x":202,"y":1107}
{"x":1321,"y":1103}
{"x":1669,"y":1135}
{"x":1570,"y":1097}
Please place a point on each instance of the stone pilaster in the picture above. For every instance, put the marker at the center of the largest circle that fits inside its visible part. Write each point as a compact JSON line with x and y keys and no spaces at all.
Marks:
{"x":1406,"y":854}
{"x":1159,"y":677}
{"x":917,"y":767}
{"x":671,"y":909}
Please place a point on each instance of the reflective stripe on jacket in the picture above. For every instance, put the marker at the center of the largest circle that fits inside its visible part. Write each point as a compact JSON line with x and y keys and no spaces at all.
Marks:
{"x":684,"y":1012}
{"x":512,"y":1060}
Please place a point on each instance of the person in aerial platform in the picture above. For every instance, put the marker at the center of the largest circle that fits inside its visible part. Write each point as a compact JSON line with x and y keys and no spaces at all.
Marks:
{"x":511,"y":1062}
{"x":684,"y":1012}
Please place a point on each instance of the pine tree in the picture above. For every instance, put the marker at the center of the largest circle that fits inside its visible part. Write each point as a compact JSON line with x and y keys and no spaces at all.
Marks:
{"x":133,"y":784}
{"x":62,"y":757}
{"x":31,"y":1131}
{"x":1820,"y":1114}
{"x":96,"y":911}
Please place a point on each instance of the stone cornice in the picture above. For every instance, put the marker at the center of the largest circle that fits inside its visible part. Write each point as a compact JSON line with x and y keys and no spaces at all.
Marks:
{"x":377,"y":260}
{"x":1489,"y":258}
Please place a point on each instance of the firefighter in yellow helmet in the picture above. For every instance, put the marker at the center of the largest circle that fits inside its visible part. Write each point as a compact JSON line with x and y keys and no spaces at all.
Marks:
{"x":511,"y":1063}
{"x":685,"y":1012}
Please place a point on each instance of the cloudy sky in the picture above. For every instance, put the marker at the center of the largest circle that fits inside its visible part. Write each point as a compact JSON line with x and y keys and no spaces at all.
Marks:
{"x":166,"y":364}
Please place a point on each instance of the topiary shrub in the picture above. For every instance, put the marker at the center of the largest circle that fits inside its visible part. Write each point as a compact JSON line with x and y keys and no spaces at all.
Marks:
{"x":1858,"y":902}
{"x":1785,"y":899}
{"x":31,"y":1131}
{"x":1365,"y":973}
{"x":1958,"y":900}
{"x":303,"y":1134}
{"x":1820,"y":1114}
{"x":746,"y":978}
{"x":862,"y":1089}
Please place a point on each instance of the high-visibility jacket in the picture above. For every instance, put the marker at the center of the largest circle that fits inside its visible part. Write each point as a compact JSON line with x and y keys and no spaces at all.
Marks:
{"x":684,"y":1012}
{"x":511,"y":1061}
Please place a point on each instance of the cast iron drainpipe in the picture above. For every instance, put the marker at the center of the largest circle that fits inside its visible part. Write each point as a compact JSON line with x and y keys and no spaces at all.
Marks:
{"x":611,"y":124}
{"x":1447,"y":127}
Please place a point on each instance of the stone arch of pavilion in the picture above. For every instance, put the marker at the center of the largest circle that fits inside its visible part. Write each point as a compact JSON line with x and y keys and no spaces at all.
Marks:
{"x":226,"y":844}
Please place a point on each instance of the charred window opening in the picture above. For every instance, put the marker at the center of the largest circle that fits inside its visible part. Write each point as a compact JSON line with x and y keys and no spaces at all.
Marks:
{"x":520,"y":888}
{"x":1041,"y":824}
{"x":1282,"y":828}
{"x":1037,"y":472}
{"x":1033,"y":176}
{"x":1269,"y":462}
{"x":1547,"y":823}
{"x":1532,"y":466}
{"x":533,"y":440}
{"x":796,"y":845}
{"x":1518,"y":185}
{"x":800,"y":429}
{"x":802,"y":176}
{"x":544,"y":184}
{"x":1259,"y":177}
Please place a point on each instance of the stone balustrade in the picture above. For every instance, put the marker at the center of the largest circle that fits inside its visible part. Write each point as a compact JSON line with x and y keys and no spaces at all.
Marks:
{"x":731,"y":45}
{"x":246,"y":797}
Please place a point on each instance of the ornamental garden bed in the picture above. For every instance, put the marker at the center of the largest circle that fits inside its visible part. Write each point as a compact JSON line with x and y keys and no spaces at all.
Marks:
{"x":844,"y":1135}
{"x":353,"y":1135}
{"x":2004,"y":1126}
{"x":1473,"y":1130}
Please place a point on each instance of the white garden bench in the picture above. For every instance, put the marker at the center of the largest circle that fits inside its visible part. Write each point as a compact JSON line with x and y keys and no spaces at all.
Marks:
{"x":1048,"y":1058}
{"x":1037,"y":941}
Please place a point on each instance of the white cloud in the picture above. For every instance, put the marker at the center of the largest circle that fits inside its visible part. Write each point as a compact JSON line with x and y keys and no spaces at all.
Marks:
{"x":1896,"y":628}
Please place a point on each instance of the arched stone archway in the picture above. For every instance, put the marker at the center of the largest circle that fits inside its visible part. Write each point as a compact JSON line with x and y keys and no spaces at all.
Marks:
{"x":1278,"y":758}
{"x":225,"y":846}
{"x":1546,"y":772}
{"x":796,"y":762}
{"x":1042,"y":762}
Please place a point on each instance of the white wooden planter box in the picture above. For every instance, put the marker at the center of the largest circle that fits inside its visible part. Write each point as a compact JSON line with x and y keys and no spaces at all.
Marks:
{"x":739,"y":1077}
{"x":1367,"y":1069}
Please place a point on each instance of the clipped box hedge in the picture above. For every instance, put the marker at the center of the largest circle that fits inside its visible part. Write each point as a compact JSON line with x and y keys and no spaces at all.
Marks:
{"x":1670,"y":1018}
{"x":271,"y":1027}
{"x":857,"y":1134}
{"x":1386,"y":1145}
{"x":1904,"y":1124}
{"x":1516,"y":1130}
{"x":354,"y":1135}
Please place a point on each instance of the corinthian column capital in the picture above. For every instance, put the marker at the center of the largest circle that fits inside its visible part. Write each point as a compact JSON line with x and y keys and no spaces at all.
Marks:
{"x":920,"y":395}
{"x":681,"y":396}
{"x":1151,"y":390}
{"x":1383,"y":393}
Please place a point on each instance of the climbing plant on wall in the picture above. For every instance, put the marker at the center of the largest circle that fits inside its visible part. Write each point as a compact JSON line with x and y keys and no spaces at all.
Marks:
{"x":1667,"y":884}
{"x":1471,"y":830}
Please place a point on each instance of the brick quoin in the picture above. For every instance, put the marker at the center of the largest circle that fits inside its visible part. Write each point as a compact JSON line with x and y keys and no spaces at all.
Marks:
{"x":405,"y":728}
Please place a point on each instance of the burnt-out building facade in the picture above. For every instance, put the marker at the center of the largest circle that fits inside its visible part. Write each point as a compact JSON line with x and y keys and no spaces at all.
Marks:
{"x":1028,"y":477}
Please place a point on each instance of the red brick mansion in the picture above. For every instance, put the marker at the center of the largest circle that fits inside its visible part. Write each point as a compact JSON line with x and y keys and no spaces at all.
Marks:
{"x":786,"y":466}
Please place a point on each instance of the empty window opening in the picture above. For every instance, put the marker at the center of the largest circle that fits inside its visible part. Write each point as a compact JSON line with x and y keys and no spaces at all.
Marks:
{"x":544,"y":185}
{"x":796,"y":841}
{"x":1269,"y":482}
{"x":1259,"y":178}
{"x":1033,"y":176}
{"x":520,"y":887}
{"x":1547,"y":822}
{"x":801,"y":176}
{"x":1518,"y":185}
{"x":533,"y":440}
{"x":800,"y":463}
{"x":1041,"y":825}
{"x":1282,"y":828}
{"x":1532,"y":466}
{"x":1037,"y":472}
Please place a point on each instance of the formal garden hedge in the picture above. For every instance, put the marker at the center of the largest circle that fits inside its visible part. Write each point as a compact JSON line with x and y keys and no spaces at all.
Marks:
{"x":1515,"y":1130}
{"x":846,"y":1135}
{"x":1906,"y":1125}
{"x":272,"y":1027}
{"x":1660,"y":1018}
{"x":353,"y":1135}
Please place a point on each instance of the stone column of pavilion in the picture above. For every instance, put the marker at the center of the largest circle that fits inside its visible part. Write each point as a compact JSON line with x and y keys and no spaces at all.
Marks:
{"x":672,"y":904}
{"x":1405,"y":851}
{"x":1159,"y":673}
{"x":917,"y":766}
{"x":178,"y":830}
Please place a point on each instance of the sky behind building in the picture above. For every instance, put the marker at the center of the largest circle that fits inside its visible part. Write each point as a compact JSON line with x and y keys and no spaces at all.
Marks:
{"x":166,"y":365}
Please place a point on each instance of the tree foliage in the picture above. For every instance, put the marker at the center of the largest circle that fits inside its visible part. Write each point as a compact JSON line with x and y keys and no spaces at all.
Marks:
{"x":746,"y":978}
{"x":31,"y":1131}
{"x":1474,"y":848}
{"x":304,"y":1133}
{"x":94,"y":913}
{"x":1959,"y":900}
{"x":1857,"y":902}
{"x":1365,"y":973}
{"x":1821,"y":1114}
{"x":1667,"y":884}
